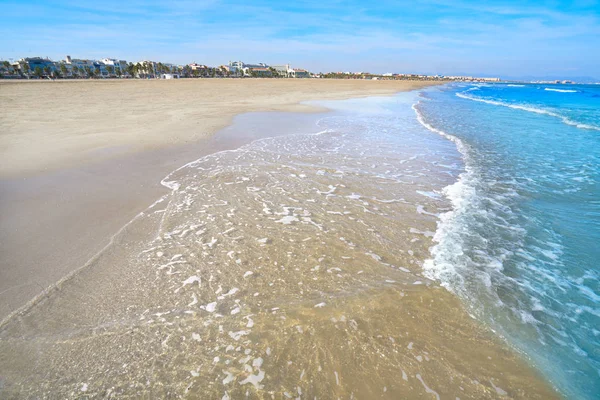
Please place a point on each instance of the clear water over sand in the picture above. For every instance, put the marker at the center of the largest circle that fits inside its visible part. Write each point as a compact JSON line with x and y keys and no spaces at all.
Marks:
{"x":289,"y":268}
{"x":521,"y":245}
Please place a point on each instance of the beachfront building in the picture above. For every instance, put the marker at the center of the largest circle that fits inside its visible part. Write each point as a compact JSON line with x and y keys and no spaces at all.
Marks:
{"x":9,"y":69}
{"x":79,"y":67}
{"x":257,"y":71}
{"x":146,"y":69}
{"x":199,"y":69}
{"x":235,"y":67}
{"x":239,"y":67}
{"x":37,"y":66}
{"x":226,"y":70}
{"x":281,"y":70}
{"x":118,"y":67}
{"x":298,"y":73}
{"x":169,"y":76}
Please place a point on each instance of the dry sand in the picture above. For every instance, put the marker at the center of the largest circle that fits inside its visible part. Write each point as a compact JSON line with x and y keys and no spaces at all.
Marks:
{"x":49,"y":125}
{"x":79,"y":159}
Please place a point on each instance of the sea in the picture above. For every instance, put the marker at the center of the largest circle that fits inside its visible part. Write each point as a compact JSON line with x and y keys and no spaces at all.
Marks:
{"x":397,"y":249}
{"x":521,"y":246}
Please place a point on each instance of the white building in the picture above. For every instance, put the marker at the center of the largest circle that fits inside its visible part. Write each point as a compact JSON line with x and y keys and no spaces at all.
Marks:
{"x":240,"y":67}
{"x":118,"y":65}
{"x":298,"y":73}
{"x":77,"y":66}
{"x":281,"y":70}
{"x":146,"y":69}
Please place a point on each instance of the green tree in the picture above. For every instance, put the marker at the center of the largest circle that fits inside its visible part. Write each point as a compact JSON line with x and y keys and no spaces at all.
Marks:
{"x":110,"y":69}
{"x":63,"y":69}
{"x":6,"y":65}
{"x":38,"y":72}
{"x":47,"y":71}
{"x":88,"y":71}
{"x":26,"y":69}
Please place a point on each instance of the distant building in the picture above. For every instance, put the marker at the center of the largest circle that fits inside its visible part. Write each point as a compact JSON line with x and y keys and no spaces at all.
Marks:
{"x":198,"y":67}
{"x":78,"y":67}
{"x":146,"y":69}
{"x":257,"y":71}
{"x":38,"y":62}
{"x":281,"y":70}
{"x":169,"y":76}
{"x":118,"y":65}
{"x":298,"y":73}
{"x":242,"y":68}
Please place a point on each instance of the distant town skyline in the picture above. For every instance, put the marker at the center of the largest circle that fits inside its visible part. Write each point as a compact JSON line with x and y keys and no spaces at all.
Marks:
{"x":510,"y":39}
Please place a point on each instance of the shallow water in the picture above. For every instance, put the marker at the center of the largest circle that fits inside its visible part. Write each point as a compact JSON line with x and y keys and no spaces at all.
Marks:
{"x":289,"y":268}
{"x":521,"y":244}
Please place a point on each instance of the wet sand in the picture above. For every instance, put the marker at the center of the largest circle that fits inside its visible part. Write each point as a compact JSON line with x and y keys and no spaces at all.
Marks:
{"x":87,"y":156}
{"x":290,"y":269}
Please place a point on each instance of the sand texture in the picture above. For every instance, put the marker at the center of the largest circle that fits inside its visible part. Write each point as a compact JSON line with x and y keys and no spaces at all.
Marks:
{"x":49,"y":125}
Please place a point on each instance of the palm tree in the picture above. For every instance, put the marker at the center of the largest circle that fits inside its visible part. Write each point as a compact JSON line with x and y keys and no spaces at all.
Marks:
{"x":110,"y":69}
{"x":26,"y":69}
{"x":47,"y":71}
{"x":131,"y":69}
{"x":150,"y":70}
{"x":38,"y":72}
{"x":63,"y":69}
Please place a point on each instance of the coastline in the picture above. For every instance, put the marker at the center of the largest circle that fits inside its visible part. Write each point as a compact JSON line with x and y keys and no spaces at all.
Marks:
{"x":448,"y":302}
{"x":60,"y":212}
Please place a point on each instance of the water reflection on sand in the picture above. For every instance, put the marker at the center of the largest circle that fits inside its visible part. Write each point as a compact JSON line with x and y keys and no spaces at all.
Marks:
{"x":290,"y":268}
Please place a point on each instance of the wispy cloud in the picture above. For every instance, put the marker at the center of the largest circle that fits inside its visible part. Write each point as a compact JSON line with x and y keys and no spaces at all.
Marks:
{"x":439,"y":36}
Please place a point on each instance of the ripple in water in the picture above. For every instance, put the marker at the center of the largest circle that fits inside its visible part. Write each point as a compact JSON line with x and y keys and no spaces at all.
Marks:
{"x":290,"y":268}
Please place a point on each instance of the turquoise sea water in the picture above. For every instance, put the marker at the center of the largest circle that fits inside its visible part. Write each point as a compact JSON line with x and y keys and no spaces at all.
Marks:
{"x":521,"y":246}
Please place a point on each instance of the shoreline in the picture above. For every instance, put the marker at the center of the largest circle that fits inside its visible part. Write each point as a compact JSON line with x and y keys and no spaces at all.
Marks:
{"x":44,"y":237}
{"x":230,"y":138}
{"x":124,"y":227}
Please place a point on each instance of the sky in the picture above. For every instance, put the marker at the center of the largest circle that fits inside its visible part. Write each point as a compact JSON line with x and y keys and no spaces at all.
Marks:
{"x":508,"y":39}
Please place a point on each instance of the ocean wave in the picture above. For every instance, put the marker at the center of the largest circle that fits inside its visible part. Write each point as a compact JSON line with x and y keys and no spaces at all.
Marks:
{"x":439,"y":267}
{"x":560,"y":90}
{"x":516,"y":85}
{"x":531,"y":109}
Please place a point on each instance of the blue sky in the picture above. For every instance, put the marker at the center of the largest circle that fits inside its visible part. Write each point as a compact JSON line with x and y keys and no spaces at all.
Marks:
{"x":499,"y":38}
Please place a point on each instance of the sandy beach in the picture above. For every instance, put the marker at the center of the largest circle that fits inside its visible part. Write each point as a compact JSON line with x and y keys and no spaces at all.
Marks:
{"x":294,"y":284}
{"x":50,"y":125}
{"x":92,"y":153}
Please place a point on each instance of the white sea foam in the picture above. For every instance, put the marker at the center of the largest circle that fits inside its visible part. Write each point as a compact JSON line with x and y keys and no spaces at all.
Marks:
{"x":531,"y":109}
{"x":440,"y":267}
{"x":516,"y":85}
{"x":560,"y":90}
